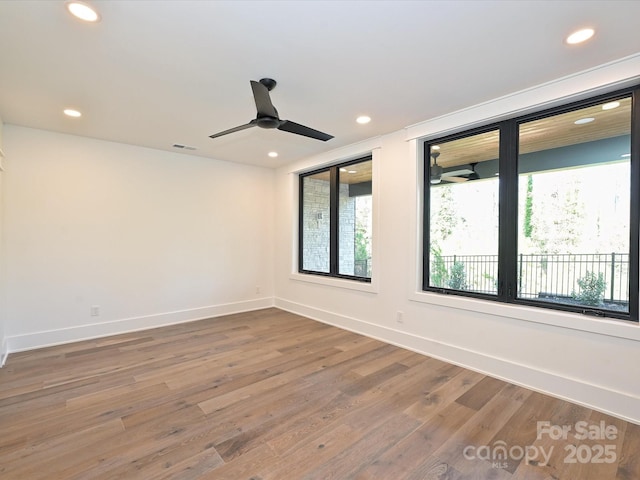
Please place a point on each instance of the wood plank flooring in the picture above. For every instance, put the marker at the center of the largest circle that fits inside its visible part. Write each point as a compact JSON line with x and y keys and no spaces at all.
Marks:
{"x":269,"y":395}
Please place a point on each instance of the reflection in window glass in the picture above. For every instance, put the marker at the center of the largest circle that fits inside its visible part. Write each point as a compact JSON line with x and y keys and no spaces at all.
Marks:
{"x":316,"y":190}
{"x":355,"y":220}
{"x":573,"y":207}
{"x":464,"y":201}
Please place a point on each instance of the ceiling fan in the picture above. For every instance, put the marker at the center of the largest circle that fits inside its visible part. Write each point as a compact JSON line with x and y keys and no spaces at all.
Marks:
{"x":438,"y":174}
{"x":462,"y":175}
{"x":268,"y":117}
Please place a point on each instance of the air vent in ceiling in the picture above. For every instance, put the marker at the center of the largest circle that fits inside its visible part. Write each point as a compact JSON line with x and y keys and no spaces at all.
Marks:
{"x":183,"y":147}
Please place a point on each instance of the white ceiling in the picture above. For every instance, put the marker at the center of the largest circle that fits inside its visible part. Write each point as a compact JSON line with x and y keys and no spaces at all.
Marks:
{"x":155,"y":73}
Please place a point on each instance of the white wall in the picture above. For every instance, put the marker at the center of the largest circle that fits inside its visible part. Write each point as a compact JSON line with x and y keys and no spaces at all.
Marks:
{"x":594,"y":362}
{"x":150,"y":237}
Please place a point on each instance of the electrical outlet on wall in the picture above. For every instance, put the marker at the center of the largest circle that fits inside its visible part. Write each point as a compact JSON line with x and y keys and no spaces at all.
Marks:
{"x":95,"y":310}
{"x":399,"y":317}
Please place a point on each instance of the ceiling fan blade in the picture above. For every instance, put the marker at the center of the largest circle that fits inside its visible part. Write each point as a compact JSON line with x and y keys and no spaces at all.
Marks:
{"x":252,"y":123}
{"x":292,"y":127}
{"x":263,"y":100}
{"x":457,"y":173}
{"x":454,"y":179}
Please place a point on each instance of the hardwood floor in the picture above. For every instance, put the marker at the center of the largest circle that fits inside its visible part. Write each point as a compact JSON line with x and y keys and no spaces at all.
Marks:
{"x":269,"y":395}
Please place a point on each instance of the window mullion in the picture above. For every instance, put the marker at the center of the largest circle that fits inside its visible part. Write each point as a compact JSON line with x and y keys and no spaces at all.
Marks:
{"x":333,"y":220}
{"x":507,"y":249}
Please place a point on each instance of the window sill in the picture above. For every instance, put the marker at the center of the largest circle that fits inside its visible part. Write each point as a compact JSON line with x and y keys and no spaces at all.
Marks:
{"x":370,"y":287}
{"x":574,"y":321}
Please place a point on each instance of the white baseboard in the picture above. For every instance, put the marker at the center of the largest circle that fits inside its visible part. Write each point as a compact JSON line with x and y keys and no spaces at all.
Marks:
{"x":4,"y":351}
{"x":30,"y":341}
{"x":597,"y":397}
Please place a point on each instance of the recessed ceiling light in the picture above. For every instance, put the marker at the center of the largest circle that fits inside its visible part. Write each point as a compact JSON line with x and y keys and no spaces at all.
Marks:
{"x":343,"y":170}
{"x":362,"y":119}
{"x":435,"y":147}
{"x":610,"y":105}
{"x":70,"y":112}
{"x":580,"y":36}
{"x":351,"y":171}
{"x":582,"y":121}
{"x":82,"y":11}
{"x":273,"y":154}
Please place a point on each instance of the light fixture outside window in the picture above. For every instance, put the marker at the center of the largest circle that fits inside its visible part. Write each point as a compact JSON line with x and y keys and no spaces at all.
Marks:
{"x":610,"y":105}
{"x":584,"y":121}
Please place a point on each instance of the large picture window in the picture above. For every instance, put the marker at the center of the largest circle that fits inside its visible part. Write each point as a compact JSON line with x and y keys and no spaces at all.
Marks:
{"x":539,"y":210}
{"x":335,"y":225}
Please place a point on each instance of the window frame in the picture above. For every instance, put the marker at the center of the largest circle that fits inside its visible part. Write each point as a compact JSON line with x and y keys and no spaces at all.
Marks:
{"x":334,"y":205}
{"x":508,"y":208}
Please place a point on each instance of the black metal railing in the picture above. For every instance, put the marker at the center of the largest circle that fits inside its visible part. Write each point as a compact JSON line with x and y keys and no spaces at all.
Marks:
{"x":539,"y":275}
{"x":362,"y":268}
{"x":478,"y":273}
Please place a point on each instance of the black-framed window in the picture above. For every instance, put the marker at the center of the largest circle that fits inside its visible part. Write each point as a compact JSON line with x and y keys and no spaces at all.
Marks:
{"x":539,"y":210}
{"x":335,"y":220}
